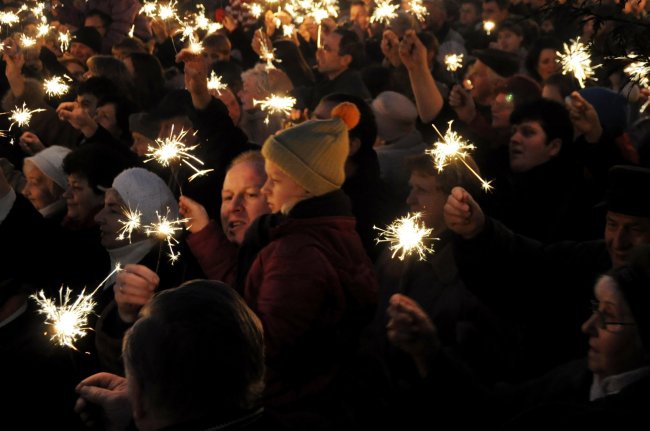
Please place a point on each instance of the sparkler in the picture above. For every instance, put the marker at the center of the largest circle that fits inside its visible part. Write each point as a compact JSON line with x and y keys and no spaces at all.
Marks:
{"x":132,"y":222}
{"x":407,"y":235}
{"x":149,"y":9}
{"x":69,"y":321}
{"x":132,"y":31}
{"x":275,"y":104}
{"x":55,"y":86}
{"x":64,"y":41}
{"x":167,"y":11}
{"x":214,"y":83}
{"x":639,"y":72}
{"x":255,"y":10}
{"x":195,"y":46}
{"x":384,"y":11}
{"x":43,"y":28}
{"x":21,"y":116}
{"x":287,"y":30}
{"x":267,"y":54}
{"x":488,"y":26}
{"x":26,"y":41}
{"x":165,"y":229}
{"x":172,"y":149}
{"x":453,"y":62}
{"x":576,"y":60}
{"x":453,"y":147}
{"x":9,"y":18}
{"x":418,"y":10}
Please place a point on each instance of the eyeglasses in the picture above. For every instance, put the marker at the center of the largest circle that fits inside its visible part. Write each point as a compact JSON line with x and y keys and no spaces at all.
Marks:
{"x":602,"y":322}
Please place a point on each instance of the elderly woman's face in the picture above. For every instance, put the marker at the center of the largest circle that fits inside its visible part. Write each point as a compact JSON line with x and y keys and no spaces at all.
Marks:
{"x":248,"y":93}
{"x":39,"y":189}
{"x":614,"y":348}
{"x":109,"y":221}
{"x":427,"y":198}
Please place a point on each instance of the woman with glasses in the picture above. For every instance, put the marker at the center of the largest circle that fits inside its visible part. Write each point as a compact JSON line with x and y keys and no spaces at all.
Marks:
{"x":611,"y":386}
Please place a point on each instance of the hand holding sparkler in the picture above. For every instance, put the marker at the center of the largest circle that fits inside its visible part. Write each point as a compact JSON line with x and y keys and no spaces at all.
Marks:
{"x":196,"y":77}
{"x":30,"y":143}
{"x":134,"y":287}
{"x":390,"y":47}
{"x":110,"y":393}
{"x":195,"y":214}
{"x":462,"y":103}
{"x":411,"y":329}
{"x":584,"y":117}
{"x":462,"y":214}
{"x":412,"y":51}
{"x":73,"y":113}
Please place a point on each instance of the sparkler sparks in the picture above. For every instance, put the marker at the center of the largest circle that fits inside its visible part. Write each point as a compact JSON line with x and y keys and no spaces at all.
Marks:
{"x":64,"y":41}
{"x":453,"y":62}
{"x":255,"y":10}
{"x":275,"y":104}
{"x":407,"y":235}
{"x":132,"y":222}
{"x":21,"y":116}
{"x":418,"y":10}
{"x":43,"y":28}
{"x":167,"y":11}
{"x":172,"y":149}
{"x":165,"y":229}
{"x":214,"y":83}
{"x":639,"y":72}
{"x":576,"y":60}
{"x":267,"y":54}
{"x":69,"y":321}
{"x":195,"y":46}
{"x":9,"y":18}
{"x":26,"y":41}
{"x":384,"y":11}
{"x":55,"y":86}
{"x":488,"y":26}
{"x":453,"y":147}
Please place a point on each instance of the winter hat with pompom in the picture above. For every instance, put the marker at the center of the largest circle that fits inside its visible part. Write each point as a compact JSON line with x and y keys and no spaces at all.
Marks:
{"x":313,"y":153}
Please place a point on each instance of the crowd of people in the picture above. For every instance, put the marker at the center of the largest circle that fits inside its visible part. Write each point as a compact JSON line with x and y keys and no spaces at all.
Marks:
{"x":269,"y":302}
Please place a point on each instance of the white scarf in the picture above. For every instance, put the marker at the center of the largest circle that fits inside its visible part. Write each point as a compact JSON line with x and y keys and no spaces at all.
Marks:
{"x":614,"y":384}
{"x":132,"y":253}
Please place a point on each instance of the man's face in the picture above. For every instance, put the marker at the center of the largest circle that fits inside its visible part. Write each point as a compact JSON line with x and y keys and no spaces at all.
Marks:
{"x":492,"y":12}
{"x":97,"y":23}
{"x":468,"y":14}
{"x":623,"y":233}
{"x":242,"y":200}
{"x":88,"y":103}
{"x":81,"y":52}
{"x":330,"y":62}
{"x":529,"y":146}
{"x":359,"y":16}
{"x":426,"y":197}
{"x":482,"y":83}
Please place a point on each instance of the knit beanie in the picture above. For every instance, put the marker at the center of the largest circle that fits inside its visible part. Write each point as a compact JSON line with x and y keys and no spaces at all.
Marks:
{"x":50,"y":162}
{"x":88,"y":36}
{"x":313,"y":153}
{"x":395,"y":115}
{"x":146,"y":192}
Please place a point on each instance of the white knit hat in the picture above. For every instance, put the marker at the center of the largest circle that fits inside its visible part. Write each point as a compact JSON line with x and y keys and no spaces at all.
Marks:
{"x":50,"y":162}
{"x":146,"y":192}
{"x":395,"y":115}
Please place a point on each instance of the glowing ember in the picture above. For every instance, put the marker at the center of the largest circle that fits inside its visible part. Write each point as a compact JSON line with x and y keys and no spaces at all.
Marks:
{"x":488,"y":26}
{"x":453,"y":62}
{"x":576,"y":60}
{"x":55,"y":86}
{"x":407,"y":235}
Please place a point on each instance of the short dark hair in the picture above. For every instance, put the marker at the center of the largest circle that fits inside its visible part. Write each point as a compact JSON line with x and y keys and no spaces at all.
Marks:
{"x":565,"y":83}
{"x":98,"y":86}
{"x":551,"y":115}
{"x":99,"y":163}
{"x":351,"y":45}
{"x":197,"y":351}
{"x":503,"y":4}
{"x":106,"y":19}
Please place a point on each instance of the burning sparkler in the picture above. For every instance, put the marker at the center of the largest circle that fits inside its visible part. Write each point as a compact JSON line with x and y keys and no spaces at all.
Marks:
{"x":55,"y":86}
{"x":43,"y":28}
{"x":64,"y":41}
{"x":69,"y":320}
{"x":255,"y":10}
{"x":453,"y":147}
{"x":165,"y":229}
{"x":26,"y":41}
{"x":195,"y":46}
{"x":454,"y":62}
{"x":21,"y":116}
{"x":576,"y":60}
{"x":9,"y":18}
{"x":407,"y":235}
{"x":267,"y":54}
{"x":172,"y":149}
{"x":167,"y":11}
{"x":214,"y":83}
{"x":275,"y":104}
{"x":384,"y":11}
{"x":488,"y":26}
{"x":638,"y":71}
{"x":132,"y":223}
{"x":418,"y":10}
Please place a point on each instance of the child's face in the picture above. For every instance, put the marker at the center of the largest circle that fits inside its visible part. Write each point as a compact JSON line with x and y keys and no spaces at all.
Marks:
{"x":281,"y":191}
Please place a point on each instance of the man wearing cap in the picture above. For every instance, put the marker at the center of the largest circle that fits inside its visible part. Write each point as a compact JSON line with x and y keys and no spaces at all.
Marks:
{"x":85,"y":43}
{"x":525,"y":267}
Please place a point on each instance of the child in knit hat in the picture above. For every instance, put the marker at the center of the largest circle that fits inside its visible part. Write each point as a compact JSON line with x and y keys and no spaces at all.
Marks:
{"x":307,"y":276}
{"x":308,"y":160}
